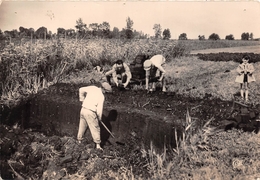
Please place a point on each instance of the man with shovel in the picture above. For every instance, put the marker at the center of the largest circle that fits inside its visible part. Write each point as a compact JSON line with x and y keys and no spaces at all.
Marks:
{"x":92,"y":98}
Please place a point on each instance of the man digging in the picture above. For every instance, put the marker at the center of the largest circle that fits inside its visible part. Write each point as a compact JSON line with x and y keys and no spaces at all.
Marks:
{"x":92,"y":98}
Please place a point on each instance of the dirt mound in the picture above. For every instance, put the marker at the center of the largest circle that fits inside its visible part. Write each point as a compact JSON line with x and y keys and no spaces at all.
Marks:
{"x":41,"y":157}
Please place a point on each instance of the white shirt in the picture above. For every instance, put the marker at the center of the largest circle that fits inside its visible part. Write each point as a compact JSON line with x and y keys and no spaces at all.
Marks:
{"x":93,"y":99}
{"x":158,"y":61}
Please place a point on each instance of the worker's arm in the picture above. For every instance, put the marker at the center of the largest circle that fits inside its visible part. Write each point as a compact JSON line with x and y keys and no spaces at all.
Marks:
{"x":113,"y":73}
{"x":159,"y":62}
{"x":82,"y":93}
{"x":161,"y":68}
{"x":240,"y":70}
{"x":128,"y":74}
{"x":251,"y":69}
{"x":147,"y":76}
{"x":100,"y":105}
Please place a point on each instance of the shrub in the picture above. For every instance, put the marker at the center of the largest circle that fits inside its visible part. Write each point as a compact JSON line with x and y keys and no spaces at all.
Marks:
{"x":214,"y":36}
{"x":236,"y":57}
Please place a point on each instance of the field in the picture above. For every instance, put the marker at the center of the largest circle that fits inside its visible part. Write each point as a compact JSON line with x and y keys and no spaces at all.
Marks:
{"x":200,"y":100}
{"x":241,"y":49}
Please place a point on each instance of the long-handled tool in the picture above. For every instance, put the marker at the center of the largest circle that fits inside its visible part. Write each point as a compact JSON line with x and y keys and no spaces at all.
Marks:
{"x":120,"y":143}
{"x":106,"y":128}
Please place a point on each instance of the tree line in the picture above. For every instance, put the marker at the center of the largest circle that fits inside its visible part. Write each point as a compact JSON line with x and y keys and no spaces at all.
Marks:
{"x":95,"y":30}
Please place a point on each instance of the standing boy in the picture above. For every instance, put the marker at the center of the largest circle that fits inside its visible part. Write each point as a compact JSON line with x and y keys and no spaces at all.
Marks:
{"x":245,"y":76}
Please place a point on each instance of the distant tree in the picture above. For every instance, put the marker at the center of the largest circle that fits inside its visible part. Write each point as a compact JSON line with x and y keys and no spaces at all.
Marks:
{"x":183,"y":36}
{"x":81,"y":27}
{"x":214,"y":36}
{"x":22,"y":32}
{"x":71,"y":33}
{"x":136,"y":34}
{"x":7,"y":34}
{"x":31,"y":32}
{"x":230,"y":37}
{"x":104,"y":29}
{"x":21,"y":29}
{"x":15,"y":33}
{"x":129,"y":23}
{"x":12,"y":34}
{"x":61,"y":32}
{"x":105,"y":26}
{"x":129,"y":34}
{"x":251,"y":36}
{"x":94,"y":27}
{"x":245,"y":36}
{"x":201,"y":37}
{"x":139,"y":35}
{"x":122,"y":33}
{"x":115,"y":33}
{"x":42,"y":33}
{"x":129,"y":28}
{"x":166,"y":34}
{"x":157,"y":30}
{"x":143,"y":36}
{"x":2,"y":36}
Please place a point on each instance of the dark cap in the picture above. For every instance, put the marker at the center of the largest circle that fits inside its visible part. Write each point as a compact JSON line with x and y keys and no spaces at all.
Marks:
{"x":246,"y":57}
{"x":119,"y":61}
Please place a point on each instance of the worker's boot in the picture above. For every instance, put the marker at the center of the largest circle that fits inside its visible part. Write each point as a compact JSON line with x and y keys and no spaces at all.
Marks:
{"x":99,"y":147}
{"x":153,"y":86}
{"x":163,"y":85}
{"x":163,"y":89}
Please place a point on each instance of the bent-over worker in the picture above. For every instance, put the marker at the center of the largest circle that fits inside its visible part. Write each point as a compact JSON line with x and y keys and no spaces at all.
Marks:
{"x":154,"y":67}
{"x":92,"y":98}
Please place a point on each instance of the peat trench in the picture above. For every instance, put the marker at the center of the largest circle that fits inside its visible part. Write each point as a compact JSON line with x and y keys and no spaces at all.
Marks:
{"x":134,"y":117}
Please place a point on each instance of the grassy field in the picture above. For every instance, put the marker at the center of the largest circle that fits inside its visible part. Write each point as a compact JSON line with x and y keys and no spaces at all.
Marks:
{"x":193,"y":77}
{"x":207,"y":155}
{"x":211,"y":44}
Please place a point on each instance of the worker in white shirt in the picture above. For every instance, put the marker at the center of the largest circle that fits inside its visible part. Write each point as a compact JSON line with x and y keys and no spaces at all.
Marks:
{"x":92,"y":98}
{"x":154,"y":67}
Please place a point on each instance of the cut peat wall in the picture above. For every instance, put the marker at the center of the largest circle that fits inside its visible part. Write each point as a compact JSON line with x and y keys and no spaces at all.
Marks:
{"x":59,"y":115}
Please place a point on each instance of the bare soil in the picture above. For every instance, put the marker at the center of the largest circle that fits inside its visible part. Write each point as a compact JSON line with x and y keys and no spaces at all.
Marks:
{"x":35,"y":152}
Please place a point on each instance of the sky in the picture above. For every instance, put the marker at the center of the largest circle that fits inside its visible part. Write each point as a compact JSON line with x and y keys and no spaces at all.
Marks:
{"x":191,"y":17}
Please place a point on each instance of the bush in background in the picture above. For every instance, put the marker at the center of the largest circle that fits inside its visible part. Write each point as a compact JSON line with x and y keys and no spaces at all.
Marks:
{"x":236,"y":57}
